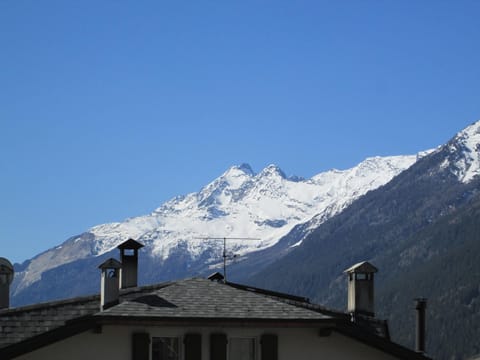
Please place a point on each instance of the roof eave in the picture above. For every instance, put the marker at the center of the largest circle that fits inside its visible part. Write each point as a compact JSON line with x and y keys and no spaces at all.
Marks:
{"x":217,"y":321}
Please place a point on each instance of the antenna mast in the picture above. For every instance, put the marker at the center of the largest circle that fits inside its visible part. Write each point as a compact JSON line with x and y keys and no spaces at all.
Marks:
{"x":224,"y":255}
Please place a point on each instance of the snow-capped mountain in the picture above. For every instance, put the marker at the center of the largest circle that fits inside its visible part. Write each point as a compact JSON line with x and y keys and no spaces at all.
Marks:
{"x":463,"y":153}
{"x":238,"y":204}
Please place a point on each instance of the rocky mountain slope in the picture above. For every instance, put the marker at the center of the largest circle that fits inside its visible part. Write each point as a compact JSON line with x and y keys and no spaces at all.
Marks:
{"x":268,"y":206}
{"x":422,"y":231}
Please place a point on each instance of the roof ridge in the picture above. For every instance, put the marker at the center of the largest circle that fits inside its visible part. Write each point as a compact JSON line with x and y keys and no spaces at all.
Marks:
{"x":144,"y":288}
{"x":267,"y":292}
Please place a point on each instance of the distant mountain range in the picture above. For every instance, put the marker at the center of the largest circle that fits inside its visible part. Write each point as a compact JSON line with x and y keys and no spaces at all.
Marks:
{"x":239,"y":204}
{"x":414,"y":217}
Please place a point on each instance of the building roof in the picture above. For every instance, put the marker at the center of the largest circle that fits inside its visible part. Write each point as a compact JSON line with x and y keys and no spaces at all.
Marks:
{"x":193,"y":301}
{"x":204,"y":299}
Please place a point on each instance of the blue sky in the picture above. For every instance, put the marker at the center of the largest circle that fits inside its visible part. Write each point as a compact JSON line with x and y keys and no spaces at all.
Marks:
{"x":110,"y":108}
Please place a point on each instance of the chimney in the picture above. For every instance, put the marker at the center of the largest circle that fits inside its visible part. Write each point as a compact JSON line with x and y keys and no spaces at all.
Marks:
{"x":420,"y":306}
{"x":109,"y":291}
{"x":360,"y":289}
{"x":129,"y":260}
{"x":6,"y":278}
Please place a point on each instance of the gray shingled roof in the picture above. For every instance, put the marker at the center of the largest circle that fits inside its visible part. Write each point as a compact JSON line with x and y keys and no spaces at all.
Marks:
{"x":201,"y":298}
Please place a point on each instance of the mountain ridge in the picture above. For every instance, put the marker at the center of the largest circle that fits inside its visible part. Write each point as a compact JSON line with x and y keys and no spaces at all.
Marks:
{"x":239,"y":203}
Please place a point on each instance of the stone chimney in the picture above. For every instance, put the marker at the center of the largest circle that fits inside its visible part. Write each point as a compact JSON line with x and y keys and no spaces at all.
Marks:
{"x":129,"y":260}
{"x":6,"y":278}
{"x":360,"y":289}
{"x":109,"y":291}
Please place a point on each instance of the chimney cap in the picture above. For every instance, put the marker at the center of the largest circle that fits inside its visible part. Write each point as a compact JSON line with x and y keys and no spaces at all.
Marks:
{"x":420,"y":303}
{"x":110,"y":264}
{"x":130,"y":244}
{"x":216,"y":276}
{"x":362,"y":267}
{"x":6,"y":268}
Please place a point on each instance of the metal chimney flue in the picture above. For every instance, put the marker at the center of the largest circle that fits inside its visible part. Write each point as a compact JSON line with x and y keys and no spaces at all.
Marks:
{"x":420,"y":306}
{"x":6,"y":278}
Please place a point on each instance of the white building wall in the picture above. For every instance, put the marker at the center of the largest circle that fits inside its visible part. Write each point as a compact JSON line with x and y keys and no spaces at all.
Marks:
{"x":294,"y":343}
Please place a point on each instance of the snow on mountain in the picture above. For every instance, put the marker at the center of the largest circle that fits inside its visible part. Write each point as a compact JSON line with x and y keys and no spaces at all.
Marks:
{"x":239,"y":203}
{"x":342,"y":187}
{"x":464,"y":154}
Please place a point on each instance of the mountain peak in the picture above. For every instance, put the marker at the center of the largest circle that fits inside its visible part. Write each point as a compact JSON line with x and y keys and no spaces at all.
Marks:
{"x":464,"y":153}
{"x":237,"y":175}
{"x":274,"y":170}
{"x":246,"y":168}
{"x":470,"y":136}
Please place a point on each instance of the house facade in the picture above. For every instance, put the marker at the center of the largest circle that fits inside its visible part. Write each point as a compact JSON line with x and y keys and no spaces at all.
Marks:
{"x":172,"y":342}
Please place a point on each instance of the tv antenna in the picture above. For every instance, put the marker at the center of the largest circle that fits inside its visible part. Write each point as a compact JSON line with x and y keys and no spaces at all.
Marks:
{"x":224,"y":255}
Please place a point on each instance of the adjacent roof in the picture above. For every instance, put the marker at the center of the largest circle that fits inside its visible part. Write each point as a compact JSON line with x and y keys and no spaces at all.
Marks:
{"x":194,"y":300}
{"x":20,"y":324}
